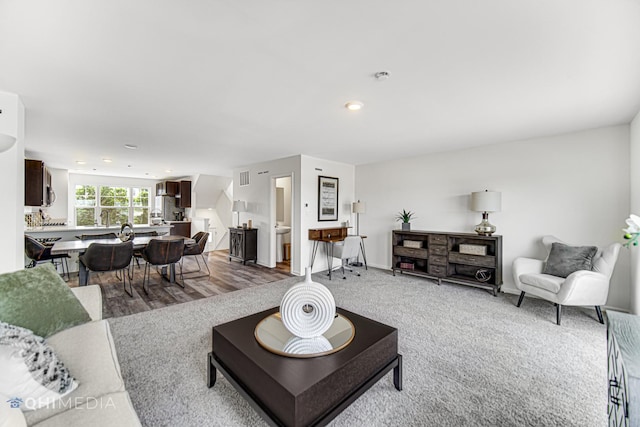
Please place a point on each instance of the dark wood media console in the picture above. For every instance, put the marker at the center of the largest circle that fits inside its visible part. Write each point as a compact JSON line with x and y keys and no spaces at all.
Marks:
{"x":438,"y":255}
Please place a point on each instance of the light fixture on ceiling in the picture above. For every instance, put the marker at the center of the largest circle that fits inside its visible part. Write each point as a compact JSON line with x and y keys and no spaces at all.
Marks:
{"x":168,"y":171}
{"x":382,"y":75}
{"x":354,"y":105}
{"x":107,"y":160}
{"x":81,"y":162}
{"x":130,"y":146}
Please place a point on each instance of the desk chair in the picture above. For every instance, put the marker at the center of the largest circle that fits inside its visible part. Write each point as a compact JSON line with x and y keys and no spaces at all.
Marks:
{"x":346,"y":250}
{"x":109,"y":257}
{"x":37,"y":252}
{"x":162,"y":253}
{"x":196,"y":249}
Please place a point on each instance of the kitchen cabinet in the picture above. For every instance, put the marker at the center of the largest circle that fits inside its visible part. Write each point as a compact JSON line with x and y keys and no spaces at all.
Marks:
{"x":37,"y":184}
{"x":180,"y":228}
{"x":167,"y":188}
{"x":183,"y":196}
{"x":243,"y":244}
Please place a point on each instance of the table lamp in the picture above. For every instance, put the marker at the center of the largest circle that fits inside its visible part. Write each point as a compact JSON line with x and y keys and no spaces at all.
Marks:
{"x":485,"y":202}
{"x":239,"y":206}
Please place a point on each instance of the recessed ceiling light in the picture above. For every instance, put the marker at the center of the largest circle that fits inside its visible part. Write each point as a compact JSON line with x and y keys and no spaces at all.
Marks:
{"x":107,"y":160}
{"x":81,"y":162}
{"x":131,"y":146}
{"x":354,"y":105}
{"x":129,"y":166}
{"x":168,"y":171}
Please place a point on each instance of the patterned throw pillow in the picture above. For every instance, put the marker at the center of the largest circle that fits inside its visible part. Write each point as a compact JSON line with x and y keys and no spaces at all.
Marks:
{"x":32,"y":376}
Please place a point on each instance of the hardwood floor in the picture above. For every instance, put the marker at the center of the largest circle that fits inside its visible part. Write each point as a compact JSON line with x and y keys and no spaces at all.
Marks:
{"x":225,"y":277}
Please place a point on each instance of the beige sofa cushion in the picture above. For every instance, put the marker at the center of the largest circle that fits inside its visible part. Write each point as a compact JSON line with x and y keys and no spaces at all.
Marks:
{"x":114,"y":409}
{"x":89,"y":354}
{"x":91,"y":299}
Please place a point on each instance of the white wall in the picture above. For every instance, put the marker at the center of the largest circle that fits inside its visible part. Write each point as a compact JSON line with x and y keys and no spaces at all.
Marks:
{"x":634,"y":157}
{"x":258,"y":195}
{"x":260,"y":198}
{"x":12,"y":175}
{"x":311,"y":169}
{"x":574,"y":186}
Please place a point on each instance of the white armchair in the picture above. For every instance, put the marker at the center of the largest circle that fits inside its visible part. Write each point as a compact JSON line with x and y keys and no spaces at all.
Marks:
{"x":579,"y":288}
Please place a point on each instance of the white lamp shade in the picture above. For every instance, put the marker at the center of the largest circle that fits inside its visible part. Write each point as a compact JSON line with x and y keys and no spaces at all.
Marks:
{"x":359,"y":207}
{"x":486,"y":201}
{"x":6,"y":142}
{"x":239,"y":206}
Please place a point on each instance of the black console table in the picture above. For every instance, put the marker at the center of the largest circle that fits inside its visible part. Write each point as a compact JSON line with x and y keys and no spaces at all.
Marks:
{"x":462,"y":258}
{"x":243,"y":244}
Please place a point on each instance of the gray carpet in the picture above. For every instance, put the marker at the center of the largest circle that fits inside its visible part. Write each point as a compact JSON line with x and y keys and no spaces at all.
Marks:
{"x":470,"y":359}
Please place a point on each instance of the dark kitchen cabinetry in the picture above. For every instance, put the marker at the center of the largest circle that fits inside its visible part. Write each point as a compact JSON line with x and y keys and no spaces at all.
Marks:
{"x":37,"y":184}
{"x":463,"y":258}
{"x":243,"y":244}
{"x":183,"y":197}
{"x":167,"y":188}
{"x":180,"y":228}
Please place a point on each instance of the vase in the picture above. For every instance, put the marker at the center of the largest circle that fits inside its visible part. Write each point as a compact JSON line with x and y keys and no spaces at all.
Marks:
{"x":308,"y":308}
{"x":406,"y":226}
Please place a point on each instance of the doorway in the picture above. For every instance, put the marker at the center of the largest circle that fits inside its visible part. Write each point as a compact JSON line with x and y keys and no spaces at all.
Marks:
{"x":283,"y":223}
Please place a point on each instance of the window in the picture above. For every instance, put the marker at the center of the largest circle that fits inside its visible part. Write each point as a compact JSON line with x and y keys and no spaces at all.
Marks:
{"x":85,"y":204}
{"x":118,"y":204}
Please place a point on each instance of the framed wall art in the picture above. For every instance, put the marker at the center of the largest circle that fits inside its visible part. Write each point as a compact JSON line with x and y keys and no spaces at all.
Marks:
{"x":327,"y":198}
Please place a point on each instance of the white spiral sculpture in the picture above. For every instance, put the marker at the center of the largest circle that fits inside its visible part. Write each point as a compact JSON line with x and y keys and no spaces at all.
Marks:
{"x":297,"y":345}
{"x":308,"y":308}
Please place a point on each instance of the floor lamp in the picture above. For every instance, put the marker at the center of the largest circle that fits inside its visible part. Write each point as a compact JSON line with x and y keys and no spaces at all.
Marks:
{"x":358,"y":208}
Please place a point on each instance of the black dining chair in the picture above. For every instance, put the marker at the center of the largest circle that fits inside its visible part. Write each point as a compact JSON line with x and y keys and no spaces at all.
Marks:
{"x":37,"y":252}
{"x":137,"y":253}
{"x":116,"y":257}
{"x":195,"y":249}
{"x":161,"y":252}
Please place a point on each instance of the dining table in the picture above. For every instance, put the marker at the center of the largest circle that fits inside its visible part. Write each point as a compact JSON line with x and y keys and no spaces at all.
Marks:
{"x":69,"y":246}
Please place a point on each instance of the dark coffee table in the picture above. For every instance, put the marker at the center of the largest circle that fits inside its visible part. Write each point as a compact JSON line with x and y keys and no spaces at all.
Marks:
{"x":289,"y":391}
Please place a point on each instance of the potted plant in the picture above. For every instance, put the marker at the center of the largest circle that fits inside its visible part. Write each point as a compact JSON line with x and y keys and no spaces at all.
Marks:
{"x":405,"y":218}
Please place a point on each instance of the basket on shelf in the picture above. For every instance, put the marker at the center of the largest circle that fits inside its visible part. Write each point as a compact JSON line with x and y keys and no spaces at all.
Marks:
{"x":407,"y":265}
{"x":412,"y":244}
{"x":473,"y":249}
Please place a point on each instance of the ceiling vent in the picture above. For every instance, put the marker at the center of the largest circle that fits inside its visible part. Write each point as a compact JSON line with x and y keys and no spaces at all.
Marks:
{"x":244,"y":179}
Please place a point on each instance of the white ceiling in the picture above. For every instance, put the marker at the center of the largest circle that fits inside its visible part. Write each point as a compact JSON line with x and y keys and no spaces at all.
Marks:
{"x":203,"y":86}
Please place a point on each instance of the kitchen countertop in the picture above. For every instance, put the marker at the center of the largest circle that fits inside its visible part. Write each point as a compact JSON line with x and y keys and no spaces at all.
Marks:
{"x":83,"y":228}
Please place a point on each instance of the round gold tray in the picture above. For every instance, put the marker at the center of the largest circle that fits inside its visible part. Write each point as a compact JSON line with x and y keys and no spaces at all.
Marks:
{"x":273,"y":336}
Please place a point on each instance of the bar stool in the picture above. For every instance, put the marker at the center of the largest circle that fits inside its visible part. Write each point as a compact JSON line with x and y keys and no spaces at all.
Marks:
{"x":37,"y":252}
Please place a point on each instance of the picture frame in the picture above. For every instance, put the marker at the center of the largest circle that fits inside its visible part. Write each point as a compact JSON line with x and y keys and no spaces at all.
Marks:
{"x":327,"y":198}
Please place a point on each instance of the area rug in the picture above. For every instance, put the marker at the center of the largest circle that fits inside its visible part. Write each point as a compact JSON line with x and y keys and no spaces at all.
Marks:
{"x":470,"y":359}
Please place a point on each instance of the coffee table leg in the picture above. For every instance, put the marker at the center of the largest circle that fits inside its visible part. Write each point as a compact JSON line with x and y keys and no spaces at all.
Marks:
{"x":211,"y":372}
{"x":397,"y":374}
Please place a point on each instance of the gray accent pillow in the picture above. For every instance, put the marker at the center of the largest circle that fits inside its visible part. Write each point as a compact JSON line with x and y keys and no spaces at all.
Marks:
{"x":39,"y":300}
{"x":564,"y":259}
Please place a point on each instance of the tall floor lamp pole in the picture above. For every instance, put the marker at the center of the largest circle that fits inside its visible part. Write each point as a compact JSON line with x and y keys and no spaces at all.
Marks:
{"x":358,"y":208}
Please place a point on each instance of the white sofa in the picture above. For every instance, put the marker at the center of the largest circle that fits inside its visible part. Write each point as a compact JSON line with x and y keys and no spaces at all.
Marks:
{"x":89,"y":353}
